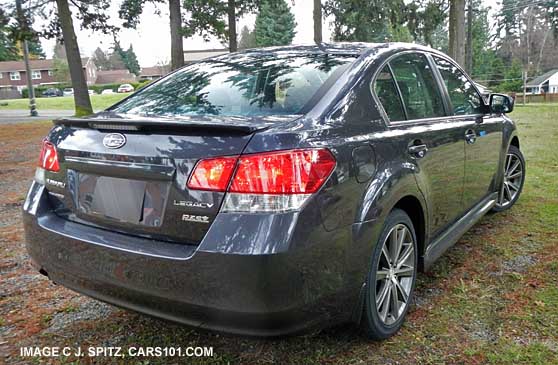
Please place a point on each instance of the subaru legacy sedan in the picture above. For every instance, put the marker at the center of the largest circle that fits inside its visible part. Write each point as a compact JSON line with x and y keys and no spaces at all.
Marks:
{"x":271,"y":191}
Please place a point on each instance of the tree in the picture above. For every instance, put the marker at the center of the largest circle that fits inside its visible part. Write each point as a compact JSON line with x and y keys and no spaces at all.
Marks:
{"x":425,"y":19}
{"x":59,"y":50}
{"x":61,"y":70}
{"x":10,"y":45}
{"x":131,"y":10}
{"x":79,"y":83}
{"x":247,"y":39}
{"x":131,"y":61}
{"x":512,"y":78}
{"x":275,"y":24}
{"x":457,"y":31}
{"x":469,"y":39}
{"x":8,"y":50}
{"x":527,"y":32}
{"x":59,"y":25}
{"x":385,"y":20}
{"x":217,"y":18}
{"x":317,"y":17}
{"x":116,"y":57}
{"x":484,"y":60}
{"x":35,"y":48}
{"x":101,"y":59}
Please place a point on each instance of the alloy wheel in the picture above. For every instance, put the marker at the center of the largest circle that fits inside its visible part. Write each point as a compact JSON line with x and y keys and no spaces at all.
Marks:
{"x":512,"y":180}
{"x":395,"y":274}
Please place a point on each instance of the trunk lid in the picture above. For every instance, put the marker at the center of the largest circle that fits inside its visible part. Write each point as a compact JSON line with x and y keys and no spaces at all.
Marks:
{"x":139,"y":187}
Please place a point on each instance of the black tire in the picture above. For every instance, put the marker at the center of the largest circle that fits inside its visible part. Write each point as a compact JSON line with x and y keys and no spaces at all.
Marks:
{"x":503,"y":204}
{"x":373,"y":326}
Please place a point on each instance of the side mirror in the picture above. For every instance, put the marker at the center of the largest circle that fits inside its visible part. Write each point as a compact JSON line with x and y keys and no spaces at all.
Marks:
{"x":500,"y":103}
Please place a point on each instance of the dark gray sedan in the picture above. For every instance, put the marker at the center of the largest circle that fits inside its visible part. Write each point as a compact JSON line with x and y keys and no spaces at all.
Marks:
{"x":270,"y":191}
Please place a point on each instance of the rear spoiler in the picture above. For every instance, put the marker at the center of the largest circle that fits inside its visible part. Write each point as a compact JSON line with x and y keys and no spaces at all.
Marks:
{"x":154,"y":125}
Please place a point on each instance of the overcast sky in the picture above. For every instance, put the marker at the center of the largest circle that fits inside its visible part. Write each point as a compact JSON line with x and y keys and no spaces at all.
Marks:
{"x":151,"y":40}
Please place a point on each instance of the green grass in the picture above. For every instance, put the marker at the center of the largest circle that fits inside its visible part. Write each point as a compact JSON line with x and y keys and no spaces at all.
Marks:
{"x":99,"y":102}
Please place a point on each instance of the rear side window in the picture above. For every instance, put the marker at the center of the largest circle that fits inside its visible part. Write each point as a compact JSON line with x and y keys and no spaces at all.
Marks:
{"x":464,"y":98}
{"x":388,"y":95}
{"x":418,"y":87}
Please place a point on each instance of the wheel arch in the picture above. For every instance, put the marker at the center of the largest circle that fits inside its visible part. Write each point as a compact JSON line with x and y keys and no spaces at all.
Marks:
{"x":411,"y":205}
{"x":414,"y":205}
{"x":515,"y":141}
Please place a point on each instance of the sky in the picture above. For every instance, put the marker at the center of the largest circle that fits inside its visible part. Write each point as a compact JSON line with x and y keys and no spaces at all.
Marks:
{"x":151,"y":40}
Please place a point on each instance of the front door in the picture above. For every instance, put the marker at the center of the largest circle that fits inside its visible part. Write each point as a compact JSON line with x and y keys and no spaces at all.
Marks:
{"x":425,"y":134}
{"x":483,"y":135}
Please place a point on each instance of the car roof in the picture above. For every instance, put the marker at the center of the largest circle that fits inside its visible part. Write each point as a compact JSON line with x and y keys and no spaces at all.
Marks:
{"x":338,"y":48}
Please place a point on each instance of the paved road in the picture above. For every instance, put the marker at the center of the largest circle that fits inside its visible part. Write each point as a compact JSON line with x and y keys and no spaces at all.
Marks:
{"x":22,"y":115}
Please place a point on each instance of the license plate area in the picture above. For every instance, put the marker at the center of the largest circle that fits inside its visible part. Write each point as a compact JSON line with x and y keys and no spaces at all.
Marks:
{"x":122,"y":200}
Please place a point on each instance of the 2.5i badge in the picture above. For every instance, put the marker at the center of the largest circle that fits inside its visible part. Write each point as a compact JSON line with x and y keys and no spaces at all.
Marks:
{"x":195,"y":218}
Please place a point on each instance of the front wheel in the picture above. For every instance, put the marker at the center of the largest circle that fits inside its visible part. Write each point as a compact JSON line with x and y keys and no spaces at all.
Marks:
{"x":391,"y":279}
{"x":514,"y":177}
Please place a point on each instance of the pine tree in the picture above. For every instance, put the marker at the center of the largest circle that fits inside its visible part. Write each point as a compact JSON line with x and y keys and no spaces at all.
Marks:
{"x":385,"y":20}
{"x":8,"y":51}
{"x":116,"y":58}
{"x":247,"y":38}
{"x":131,"y":61}
{"x":59,"y":51}
{"x":101,"y":59}
{"x":11,"y":48}
{"x":275,"y":24}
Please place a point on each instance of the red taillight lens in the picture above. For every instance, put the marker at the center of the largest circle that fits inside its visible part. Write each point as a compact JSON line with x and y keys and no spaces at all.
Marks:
{"x":283,"y":172}
{"x":49,"y":158}
{"x":212,"y":174}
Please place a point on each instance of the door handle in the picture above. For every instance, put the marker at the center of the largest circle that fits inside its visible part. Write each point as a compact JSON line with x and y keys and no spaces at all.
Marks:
{"x":418,"y":151}
{"x":470,"y":136}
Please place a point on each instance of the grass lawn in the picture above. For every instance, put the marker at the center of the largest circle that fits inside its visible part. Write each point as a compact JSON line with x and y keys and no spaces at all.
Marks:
{"x":99,"y":102}
{"x":492,"y":299}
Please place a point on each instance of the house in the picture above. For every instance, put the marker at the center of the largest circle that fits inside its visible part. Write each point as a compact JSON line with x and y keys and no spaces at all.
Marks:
{"x":13,"y":77}
{"x":12,"y":73}
{"x":115,"y":77}
{"x":547,"y":83}
{"x":153,"y":73}
{"x":200,"y":54}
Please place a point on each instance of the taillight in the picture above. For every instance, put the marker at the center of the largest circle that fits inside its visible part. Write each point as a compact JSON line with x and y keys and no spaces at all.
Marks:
{"x":284,"y":172}
{"x":212,"y":174}
{"x":48,"y":159}
{"x":265,"y":182}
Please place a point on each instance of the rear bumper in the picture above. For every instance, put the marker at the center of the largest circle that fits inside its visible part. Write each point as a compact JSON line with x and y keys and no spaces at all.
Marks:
{"x":251,"y":294}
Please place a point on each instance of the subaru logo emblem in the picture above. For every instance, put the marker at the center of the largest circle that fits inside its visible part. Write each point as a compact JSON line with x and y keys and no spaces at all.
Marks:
{"x":114,"y":140}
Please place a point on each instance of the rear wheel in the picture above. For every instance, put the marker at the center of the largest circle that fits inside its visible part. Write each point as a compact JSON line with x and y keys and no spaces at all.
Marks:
{"x":514,"y":177}
{"x":392,"y":276}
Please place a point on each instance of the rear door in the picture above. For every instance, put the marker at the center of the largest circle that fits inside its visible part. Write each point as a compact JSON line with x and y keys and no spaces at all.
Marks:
{"x":483,"y":134}
{"x":422,"y":131}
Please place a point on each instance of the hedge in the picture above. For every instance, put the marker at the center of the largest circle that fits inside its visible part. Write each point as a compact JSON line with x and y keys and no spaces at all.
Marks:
{"x":39,"y":90}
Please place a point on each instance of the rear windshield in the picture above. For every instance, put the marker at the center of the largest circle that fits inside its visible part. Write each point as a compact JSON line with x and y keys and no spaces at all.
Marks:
{"x":263,"y":86}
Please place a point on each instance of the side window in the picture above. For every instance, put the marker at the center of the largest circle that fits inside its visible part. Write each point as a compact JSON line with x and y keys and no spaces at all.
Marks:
{"x":419,"y":90}
{"x":463,"y":96}
{"x":385,"y":89}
